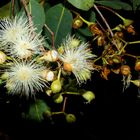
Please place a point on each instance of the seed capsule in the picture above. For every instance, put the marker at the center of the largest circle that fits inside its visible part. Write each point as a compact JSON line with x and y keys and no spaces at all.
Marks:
{"x":125,"y":70}
{"x":136,"y":82}
{"x":95,"y":30}
{"x":56,"y":86}
{"x":48,"y":75}
{"x":116,"y":59}
{"x":70,"y":118}
{"x":77,"y":23}
{"x":59,"y":99}
{"x":89,"y":96}
{"x":67,"y":67}
{"x":2,"y":57}
{"x":137,"y":65}
{"x":50,"y":56}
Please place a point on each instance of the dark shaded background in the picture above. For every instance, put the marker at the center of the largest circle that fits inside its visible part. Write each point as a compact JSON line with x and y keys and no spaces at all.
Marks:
{"x":112,"y":115}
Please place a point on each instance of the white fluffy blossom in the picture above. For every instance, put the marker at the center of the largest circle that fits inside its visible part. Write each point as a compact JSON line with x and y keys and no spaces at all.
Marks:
{"x":12,"y":29}
{"x":77,"y":60}
{"x":25,"y":78}
{"x":25,"y":46}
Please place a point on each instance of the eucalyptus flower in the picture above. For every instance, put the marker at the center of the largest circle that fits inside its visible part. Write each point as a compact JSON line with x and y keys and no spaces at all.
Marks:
{"x":25,"y":46}
{"x":77,"y":60}
{"x":12,"y":29}
{"x":25,"y":78}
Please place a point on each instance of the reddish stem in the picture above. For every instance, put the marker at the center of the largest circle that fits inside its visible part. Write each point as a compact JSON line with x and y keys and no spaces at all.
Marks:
{"x":13,"y":5}
{"x":27,"y":12}
{"x":52,"y":34}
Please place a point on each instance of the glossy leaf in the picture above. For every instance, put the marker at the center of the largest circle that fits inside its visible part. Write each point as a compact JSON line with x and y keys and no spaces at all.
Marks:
{"x":84,"y":32}
{"x":82,"y":4}
{"x":38,"y":14}
{"x":115,"y":4}
{"x":59,"y":20}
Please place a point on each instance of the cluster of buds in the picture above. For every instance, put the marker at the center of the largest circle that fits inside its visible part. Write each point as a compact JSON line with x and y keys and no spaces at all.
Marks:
{"x":26,"y":69}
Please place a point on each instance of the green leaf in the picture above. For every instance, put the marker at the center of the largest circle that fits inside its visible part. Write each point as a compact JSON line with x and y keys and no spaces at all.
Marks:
{"x":4,"y":11}
{"x":36,"y":111}
{"x":92,"y":17}
{"x":16,"y":7}
{"x":47,"y":6}
{"x":85,"y":32}
{"x":38,"y":14}
{"x":118,"y":5}
{"x":59,"y":20}
{"x":82,"y":4}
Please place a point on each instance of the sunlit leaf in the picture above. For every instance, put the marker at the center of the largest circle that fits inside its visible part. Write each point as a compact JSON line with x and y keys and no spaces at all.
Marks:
{"x":82,"y":4}
{"x":59,"y":20}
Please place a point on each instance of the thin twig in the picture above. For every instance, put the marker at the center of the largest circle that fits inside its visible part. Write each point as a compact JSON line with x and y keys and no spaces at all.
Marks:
{"x":131,"y":55}
{"x":108,"y":9}
{"x":134,"y":42}
{"x":104,"y":20}
{"x":31,"y":22}
{"x":122,"y":48}
{"x":13,"y":5}
{"x":107,"y":25}
{"x":28,"y":13}
{"x":64,"y":104}
{"x":52,"y":34}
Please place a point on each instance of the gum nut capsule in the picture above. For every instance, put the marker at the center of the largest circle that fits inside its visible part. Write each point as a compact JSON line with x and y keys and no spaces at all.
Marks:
{"x":67,"y":67}
{"x":125,"y":70}
{"x":4,"y":76}
{"x":52,"y":56}
{"x":48,"y":75}
{"x":74,"y":43}
{"x":56,"y":86}
{"x":49,"y":92}
{"x":127,"y":22}
{"x":59,"y":99}
{"x":137,"y":65}
{"x":136,"y":82}
{"x":88,"y":95}
{"x":70,"y":118}
{"x":77,"y":23}
{"x":3,"y":57}
{"x":116,"y":59}
{"x":9,"y":85}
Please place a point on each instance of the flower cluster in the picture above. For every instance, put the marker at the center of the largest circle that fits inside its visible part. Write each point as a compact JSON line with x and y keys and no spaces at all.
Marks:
{"x":18,"y":46}
{"x":27,"y":69}
{"x":77,"y":58}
